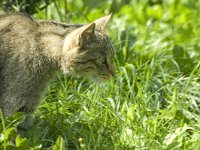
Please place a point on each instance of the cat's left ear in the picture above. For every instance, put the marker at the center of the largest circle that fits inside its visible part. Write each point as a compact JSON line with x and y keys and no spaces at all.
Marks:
{"x":85,"y":32}
{"x":102,"y":22}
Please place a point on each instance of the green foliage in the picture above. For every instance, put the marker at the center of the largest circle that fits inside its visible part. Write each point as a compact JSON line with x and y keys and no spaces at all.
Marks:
{"x":152,"y":103}
{"x":60,"y":144}
{"x":26,"y":6}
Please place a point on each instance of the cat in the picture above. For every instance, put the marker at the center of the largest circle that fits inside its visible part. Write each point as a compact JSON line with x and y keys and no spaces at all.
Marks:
{"x":33,"y":51}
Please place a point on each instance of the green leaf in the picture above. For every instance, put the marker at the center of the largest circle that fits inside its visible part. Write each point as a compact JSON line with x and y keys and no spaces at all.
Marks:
{"x":155,"y":11}
{"x":10,"y":132}
{"x":60,"y":144}
{"x":174,"y":146}
{"x":22,"y":143}
{"x":182,"y":58}
{"x":34,"y":135}
{"x":171,"y":138}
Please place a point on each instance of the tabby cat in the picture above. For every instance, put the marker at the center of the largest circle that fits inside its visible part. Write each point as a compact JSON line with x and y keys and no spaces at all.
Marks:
{"x":32,"y":51}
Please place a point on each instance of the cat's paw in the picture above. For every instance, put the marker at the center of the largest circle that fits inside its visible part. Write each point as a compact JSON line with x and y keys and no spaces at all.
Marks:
{"x":25,"y":125}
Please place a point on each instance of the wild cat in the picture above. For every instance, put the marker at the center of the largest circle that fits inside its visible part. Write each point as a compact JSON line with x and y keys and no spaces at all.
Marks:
{"x":32,"y":51}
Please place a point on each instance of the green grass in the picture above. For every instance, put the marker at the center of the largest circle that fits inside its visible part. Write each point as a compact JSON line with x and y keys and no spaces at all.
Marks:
{"x":153,"y":102}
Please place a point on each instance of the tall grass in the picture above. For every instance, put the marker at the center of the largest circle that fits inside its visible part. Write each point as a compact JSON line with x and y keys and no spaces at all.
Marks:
{"x":151,"y":103}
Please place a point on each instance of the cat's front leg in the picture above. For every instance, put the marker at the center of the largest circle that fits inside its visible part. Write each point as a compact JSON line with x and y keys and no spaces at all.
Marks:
{"x":25,"y":125}
{"x":11,"y":105}
{"x":28,"y":109}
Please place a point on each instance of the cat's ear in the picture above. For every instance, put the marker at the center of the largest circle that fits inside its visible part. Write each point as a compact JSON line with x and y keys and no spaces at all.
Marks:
{"x":102,"y":22}
{"x":86,"y":32}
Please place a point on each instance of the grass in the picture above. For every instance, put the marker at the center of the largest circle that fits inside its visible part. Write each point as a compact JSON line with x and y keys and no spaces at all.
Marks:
{"x":152,"y":102}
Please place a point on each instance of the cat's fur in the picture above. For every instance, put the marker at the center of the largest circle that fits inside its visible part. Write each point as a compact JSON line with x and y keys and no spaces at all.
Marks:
{"x":32,"y":51}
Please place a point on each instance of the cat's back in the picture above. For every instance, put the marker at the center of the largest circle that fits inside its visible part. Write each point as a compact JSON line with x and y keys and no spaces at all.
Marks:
{"x":15,"y":27}
{"x":15,"y":30}
{"x":17,"y":33}
{"x":15,"y":21}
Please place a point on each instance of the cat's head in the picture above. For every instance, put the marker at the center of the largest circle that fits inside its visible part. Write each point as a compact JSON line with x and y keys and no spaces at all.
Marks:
{"x":88,"y":51}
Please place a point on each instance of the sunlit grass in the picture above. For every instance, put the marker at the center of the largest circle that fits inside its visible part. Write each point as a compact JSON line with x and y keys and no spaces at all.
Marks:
{"x":153,"y":102}
{"x":140,"y":109}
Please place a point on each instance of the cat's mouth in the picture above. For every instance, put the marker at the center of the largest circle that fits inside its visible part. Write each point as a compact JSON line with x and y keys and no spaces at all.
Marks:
{"x":107,"y":76}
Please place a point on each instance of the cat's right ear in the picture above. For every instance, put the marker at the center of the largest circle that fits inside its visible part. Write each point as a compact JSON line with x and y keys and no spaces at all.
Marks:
{"x":85,"y":32}
{"x":102,"y":22}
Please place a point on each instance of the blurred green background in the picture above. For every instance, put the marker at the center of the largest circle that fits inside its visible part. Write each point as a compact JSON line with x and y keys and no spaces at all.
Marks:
{"x":154,"y":100}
